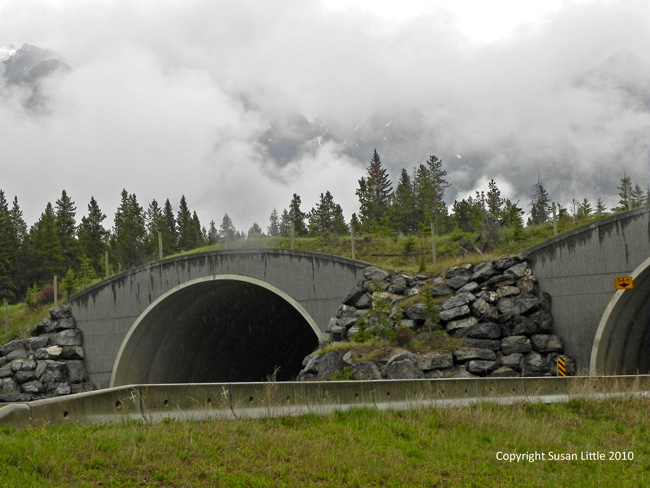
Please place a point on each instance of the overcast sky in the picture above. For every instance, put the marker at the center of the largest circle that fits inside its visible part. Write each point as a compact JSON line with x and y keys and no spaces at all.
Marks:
{"x":169,"y":98}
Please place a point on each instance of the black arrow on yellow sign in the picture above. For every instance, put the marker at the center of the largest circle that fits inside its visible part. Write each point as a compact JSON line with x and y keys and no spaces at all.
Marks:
{"x":624,"y":283}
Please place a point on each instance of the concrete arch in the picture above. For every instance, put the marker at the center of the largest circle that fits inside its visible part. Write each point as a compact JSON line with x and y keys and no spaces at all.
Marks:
{"x":216,"y":328}
{"x":306,"y":287}
{"x":622,"y":341}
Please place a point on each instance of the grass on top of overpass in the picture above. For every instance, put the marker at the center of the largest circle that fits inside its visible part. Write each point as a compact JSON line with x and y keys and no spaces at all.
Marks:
{"x":406,"y":254}
{"x":360,"y":447}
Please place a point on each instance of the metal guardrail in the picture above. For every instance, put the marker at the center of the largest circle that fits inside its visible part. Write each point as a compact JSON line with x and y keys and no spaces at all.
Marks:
{"x":154,"y":403}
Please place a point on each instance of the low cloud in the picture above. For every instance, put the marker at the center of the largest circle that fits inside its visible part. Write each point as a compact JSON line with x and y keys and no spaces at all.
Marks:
{"x":238,"y":105}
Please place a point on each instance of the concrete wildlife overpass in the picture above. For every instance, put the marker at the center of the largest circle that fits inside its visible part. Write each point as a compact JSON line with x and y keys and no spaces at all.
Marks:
{"x":605,"y":329}
{"x":241,"y":315}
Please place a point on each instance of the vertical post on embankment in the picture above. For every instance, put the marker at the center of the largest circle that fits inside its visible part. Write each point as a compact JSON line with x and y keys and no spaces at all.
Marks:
{"x":56,"y":290}
{"x":6,"y":307}
{"x":352,"y":238}
{"x":554,"y":220}
{"x":106,"y":262}
{"x":293,"y":235}
{"x":160,"y":250}
{"x":434,"y":258}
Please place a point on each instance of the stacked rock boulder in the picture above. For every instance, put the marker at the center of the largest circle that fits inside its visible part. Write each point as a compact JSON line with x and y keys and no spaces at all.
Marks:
{"x":48,"y":364}
{"x":503,"y":327}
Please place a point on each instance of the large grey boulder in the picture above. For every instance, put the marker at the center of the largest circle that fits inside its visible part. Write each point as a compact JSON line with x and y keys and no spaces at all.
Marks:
{"x":512,"y":325}
{"x":545,"y":343}
{"x":431,"y":360}
{"x":329,"y":364}
{"x":481,"y":367}
{"x":454,"y":313}
{"x":465,"y":354}
{"x":365,"y":370}
{"x":515,"y":344}
{"x":457,"y":328}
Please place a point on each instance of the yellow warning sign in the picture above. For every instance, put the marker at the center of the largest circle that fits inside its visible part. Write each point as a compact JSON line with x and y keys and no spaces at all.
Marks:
{"x":624,"y":283}
{"x":561,"y":366}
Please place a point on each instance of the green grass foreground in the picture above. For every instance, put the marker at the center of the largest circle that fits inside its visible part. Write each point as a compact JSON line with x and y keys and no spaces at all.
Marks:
{"x":454,"y":447}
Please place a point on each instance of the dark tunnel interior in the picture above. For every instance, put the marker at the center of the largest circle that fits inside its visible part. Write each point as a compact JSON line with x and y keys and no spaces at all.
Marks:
{"x":217,"y":331}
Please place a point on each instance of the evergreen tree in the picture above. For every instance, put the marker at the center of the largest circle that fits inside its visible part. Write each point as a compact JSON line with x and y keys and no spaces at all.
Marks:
{"x":468,"y":214}
{"x":374,"y":192}
{"x":154,"y":223}
{"x":540,"y":207}
{"x":286,"y":224}
{"x":45,"y":255}
{"x":213,"y":234}
{"x":429,"y":186}
{"x":198,"y":231}
{"x":637,"y":197}
{"x":67,"y":230}
{"x":227,"y":231}
{"x":187,"y":231}
{"x":169,"y":230}
{"x":625,"y":192}
{"x":19,"y":252}
{"x":255,"y":231}
{"x":405,"y":214}
{"x":513,"y":218}
{"x":297,"y":216}
{"x":600,"y":207}
{"x":273,"y":229}
{"x":20,"y":227}
{"x":92,"y":236}
{"x":327,"y":216}
{"x":584,"y":208}
{"x":9,"y":253}
{"x":128,"y":239}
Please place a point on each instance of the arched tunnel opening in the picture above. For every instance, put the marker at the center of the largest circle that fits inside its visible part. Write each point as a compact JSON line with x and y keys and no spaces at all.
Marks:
{"x":622,"y":342}
{"x":217,"y":330}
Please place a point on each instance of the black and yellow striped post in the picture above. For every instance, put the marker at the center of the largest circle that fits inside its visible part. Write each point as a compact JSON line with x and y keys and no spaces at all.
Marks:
{"x":561,"y":366}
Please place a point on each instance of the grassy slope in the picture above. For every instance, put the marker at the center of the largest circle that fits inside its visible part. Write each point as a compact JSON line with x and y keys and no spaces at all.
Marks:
{"x":426,"y":447}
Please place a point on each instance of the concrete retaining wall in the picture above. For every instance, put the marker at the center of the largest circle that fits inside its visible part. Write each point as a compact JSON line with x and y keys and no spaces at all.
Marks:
{"x":578,"y":270}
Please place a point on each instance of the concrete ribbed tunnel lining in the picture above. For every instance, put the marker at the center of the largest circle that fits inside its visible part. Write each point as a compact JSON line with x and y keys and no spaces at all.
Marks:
{"x":224,"y":328}
{"x":622,"y":342}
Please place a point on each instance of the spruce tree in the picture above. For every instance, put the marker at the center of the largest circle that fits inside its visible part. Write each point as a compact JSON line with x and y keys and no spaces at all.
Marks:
{"x":128,"y":239}
{"x":273,"y":229}
{"x":169,"y":230}
{"x":9,"y":253}
{"x":154,"y":223}
{"x":374,"y":192}
{"x":286,"y":224}
{"x":625,"y":194}
{"x":67,"y":230}
{"x":297,"y":216}
{"x":429,"y":185}
{"x":198,"y":231}
{"x":213,"y":234}
{"x":187,"y":237}
{"x":92,"y":236}
{"x":405,"y":213}
{"x":45,"y":255}
{"x":540,"y":207}
{"x":327,"y":216}
{"x":255,"y":231}
{"x":227,"y":231}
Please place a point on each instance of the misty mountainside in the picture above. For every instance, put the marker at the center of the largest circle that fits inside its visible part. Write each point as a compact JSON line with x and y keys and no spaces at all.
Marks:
{"x":26,"y":68}
{"x":624,"y":74}
{"x":401,"y":136}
